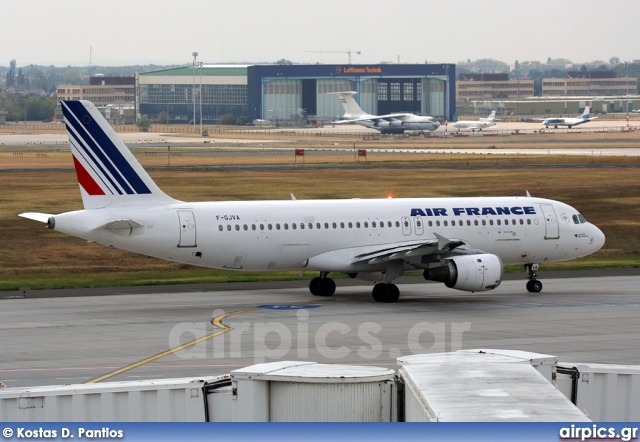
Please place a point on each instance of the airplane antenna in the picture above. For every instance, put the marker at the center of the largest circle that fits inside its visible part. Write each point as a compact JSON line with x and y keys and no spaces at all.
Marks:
{"x":293,"y":198}
{"x":528,"y":194}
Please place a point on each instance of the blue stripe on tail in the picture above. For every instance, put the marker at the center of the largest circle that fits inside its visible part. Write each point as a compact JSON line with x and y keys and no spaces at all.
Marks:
{"x":103,"y":149}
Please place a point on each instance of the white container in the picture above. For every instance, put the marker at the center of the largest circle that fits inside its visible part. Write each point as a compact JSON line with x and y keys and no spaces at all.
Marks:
{"x":604,"y":392}
{"x":310,"y":392}
{"x":480,"y":387}
{"x":163,"y":400}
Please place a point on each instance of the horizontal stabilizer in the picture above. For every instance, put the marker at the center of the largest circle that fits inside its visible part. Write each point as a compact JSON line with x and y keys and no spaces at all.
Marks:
{"x":42,"y":217}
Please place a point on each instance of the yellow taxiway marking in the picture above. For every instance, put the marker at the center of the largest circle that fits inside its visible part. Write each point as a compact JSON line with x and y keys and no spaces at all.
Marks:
{"x":215,"y":321}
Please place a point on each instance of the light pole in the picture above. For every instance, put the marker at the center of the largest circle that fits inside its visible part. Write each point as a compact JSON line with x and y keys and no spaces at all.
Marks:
{"x":193,"y":91}
{"x":200,"y":95}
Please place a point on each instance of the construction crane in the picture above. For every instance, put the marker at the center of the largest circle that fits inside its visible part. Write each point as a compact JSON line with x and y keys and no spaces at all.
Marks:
{"x":348,"y":51}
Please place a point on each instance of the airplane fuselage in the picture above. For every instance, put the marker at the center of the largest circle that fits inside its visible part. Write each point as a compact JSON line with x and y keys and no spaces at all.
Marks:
{"x":327,"y":234}
{"x":473,"y":124}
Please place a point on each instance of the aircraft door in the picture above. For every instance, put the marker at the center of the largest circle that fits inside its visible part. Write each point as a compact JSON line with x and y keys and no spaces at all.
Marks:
{"x":418,"y":225}
{"x":552,"y":230}
{"x":187,"y":228}
{"x":406,"y":226}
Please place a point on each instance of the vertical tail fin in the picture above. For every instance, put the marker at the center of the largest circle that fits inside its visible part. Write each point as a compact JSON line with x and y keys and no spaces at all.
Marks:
{"x":107,"y":171}
{"x":351,"y":107}
{"x":586,"y":112}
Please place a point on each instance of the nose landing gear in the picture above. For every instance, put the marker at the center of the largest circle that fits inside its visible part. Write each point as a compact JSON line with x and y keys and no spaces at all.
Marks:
{"x":533,"y":285}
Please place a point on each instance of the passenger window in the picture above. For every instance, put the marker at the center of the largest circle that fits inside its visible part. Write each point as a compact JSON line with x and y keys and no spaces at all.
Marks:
{"x":484,"y":222}
{"x":334,"y":225}
{"x":269,"y":226}
{"x":351,"y":225}
{"x":294,"y":226}
{"x":237,"y":226}
{"x":513,"y":221}
{"x":430,"y":223}
{"x":286,"y":226}
{"x":253,"y":227}
{"x":357,"y":224}
{"x":301,"y":226}
{"x":468,"y":222}
{"x":326,"y":225}
{"x":406,"y":224}
{"x":382,"y":224}
{"x":220,"y":227}
{"x":245,"y":227}
{"x":438,"y":223}
{"x":521,"y":221}
{"x":317,"y":225}
{"x":311,"y":225}
{"x":389,"y":224}
{"x":499,"y":222}
{"x":528,"y":221}
{"x":229,"y":227}
{"x":342,"y":225}
{"x":475,"y":222}
{"x":277,"y":226}
{"x":261,"y":227}
{"x":445,"y":223}
{"x":490,"y":222}
{"x":373,"y":224}
{"x":366,"y":224}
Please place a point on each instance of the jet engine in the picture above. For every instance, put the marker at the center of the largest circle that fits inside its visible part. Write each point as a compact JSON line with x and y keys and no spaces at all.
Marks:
{"x":382,"y":124}
{"x":469,"y":273}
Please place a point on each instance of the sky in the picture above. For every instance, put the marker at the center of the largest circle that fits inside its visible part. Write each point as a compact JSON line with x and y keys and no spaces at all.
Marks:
{"x":131,"y":32}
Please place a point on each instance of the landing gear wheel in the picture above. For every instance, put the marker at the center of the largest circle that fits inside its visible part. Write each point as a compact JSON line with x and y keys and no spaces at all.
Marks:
{"x":326,"y":287}
{"x":385,"y":292}
{"x":322,"y":286}
{"x":314,"y":285}
{"x":534,"y":286}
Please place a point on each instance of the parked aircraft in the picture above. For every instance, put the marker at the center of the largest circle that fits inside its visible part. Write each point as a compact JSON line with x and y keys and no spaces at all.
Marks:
{"x":569,"y":122}
{"x":386,"y":124}
{"x":482,"y":123}
{"x":462,"y":242}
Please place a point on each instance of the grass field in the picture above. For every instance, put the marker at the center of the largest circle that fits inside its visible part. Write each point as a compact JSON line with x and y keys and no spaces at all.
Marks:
{"x":32,"y":257}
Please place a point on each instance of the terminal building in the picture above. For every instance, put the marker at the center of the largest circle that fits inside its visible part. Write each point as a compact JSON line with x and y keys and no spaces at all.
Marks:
{"x":294,"y":93}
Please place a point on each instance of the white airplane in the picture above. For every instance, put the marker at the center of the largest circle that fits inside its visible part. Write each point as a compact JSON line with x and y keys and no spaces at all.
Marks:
{"x":570,"y":122}
{"x":386,"y":124}
{"x":482,"y":123}
{"x":462,"y":242}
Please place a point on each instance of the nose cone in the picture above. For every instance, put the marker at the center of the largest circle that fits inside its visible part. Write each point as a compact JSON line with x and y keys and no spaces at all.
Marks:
{"x":598,"y":238}
{"x":437,"y":124}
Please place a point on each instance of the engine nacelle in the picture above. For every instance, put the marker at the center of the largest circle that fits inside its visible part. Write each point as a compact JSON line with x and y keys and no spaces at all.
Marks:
{"x":469,"y":273}
{"x":397,"y":123}
{"x":382,"y":124}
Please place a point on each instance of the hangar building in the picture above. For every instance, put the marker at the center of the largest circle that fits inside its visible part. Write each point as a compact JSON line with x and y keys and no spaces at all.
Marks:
{"x":288,"y":93}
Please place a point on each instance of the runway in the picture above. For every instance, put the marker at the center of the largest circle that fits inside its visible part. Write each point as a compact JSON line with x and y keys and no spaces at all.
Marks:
{"x":183,"y":331}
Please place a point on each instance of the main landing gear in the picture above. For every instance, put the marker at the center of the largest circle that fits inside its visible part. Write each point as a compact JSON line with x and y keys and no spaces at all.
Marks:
{"x":385,"y":292}
{"x":322,"y":286}
{"x":533,"y":285}
{"x":382,"y":292}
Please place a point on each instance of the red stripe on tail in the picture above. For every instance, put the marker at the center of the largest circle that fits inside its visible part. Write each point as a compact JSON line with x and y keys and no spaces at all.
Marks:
{"x":86,"y":181}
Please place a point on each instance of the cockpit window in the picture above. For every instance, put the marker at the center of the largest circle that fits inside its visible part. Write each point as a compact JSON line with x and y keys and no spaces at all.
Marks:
{"x":578,"y":219}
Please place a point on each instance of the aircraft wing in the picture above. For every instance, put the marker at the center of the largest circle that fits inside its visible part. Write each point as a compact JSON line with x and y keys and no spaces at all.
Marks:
{"x":403,"y":251}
